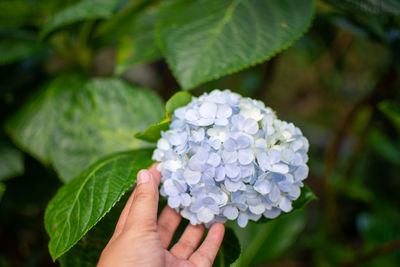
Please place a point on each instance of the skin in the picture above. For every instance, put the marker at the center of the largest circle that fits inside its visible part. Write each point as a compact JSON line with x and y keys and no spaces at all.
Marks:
{"x":141,"y":240}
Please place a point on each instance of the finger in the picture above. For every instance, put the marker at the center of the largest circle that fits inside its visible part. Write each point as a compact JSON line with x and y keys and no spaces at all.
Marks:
{"x":156,"y":173}
{"x":188,"y":242}
{"x":143,"y":212}
{"x":167,"y":223}
{"x":122,"y":218}
{"x":205,"y":255}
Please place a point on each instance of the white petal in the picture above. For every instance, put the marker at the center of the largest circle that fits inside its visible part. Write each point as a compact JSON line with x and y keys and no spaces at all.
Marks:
{"x":280,"y":168}
{"x":232,"y":186}
{"x":245,"y":156}
{"x":232,"y":170}
{"x":192,"y":177}
{"x":224,"y":111}
{"x":170,"y":188}
{"x":174,"y":202}
{"x":250,"y":126}
{"x":205,"y":215}
{"x":208,"y":110}
{"x":214,"y":159}
{"x":229,"y":157}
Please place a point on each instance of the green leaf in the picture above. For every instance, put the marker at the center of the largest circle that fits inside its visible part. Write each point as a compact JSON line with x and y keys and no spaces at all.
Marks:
{"x":2,"y":190}
{"x":264,"y":242}
{"x":100,"y":119}
{"x":31,"y":127}
{"x":178,"y":100}
{"x":305,"y":197}
{"x":73,"y":121}
{"x":80,"y":204}
{"x":392,"y":111}
{"x":137,"y":45}
{"x":153,"y":133}
{"x":14,"y":50}
{"x":229,"y":250}
{"x":12,"y":162}
{"x":204,"y":40}
{"x":86,"y":252}
{"x":81,"y":11}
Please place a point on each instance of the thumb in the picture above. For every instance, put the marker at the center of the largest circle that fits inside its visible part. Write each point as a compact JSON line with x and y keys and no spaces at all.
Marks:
{"x":143,"y":211}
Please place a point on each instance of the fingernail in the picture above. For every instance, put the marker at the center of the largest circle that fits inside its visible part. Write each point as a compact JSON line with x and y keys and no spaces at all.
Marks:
{"x":143,"y":177}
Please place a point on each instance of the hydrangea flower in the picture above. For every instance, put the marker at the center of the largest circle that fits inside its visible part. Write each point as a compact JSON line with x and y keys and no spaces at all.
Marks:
{"x":226,"y":157}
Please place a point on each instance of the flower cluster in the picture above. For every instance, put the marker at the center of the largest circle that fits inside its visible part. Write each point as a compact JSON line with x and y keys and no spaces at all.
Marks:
{"x":229,"y":157}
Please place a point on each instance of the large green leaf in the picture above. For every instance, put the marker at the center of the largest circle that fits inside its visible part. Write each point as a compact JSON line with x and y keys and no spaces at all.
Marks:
{"x":14,"y":50}
{"x":206,"y":39}
{"x":264,"y":242}
{"x":153,"y":132}
{"x":86,"y":252}
{"x":31,"y":127}
{"x":80,"y":204}
{"x":138,"y":45}
{"x":84,"y":10}
{"x":99,"y":120}
{"x":11,"y":162}
{"x":229,"y":250}
{"x":73,"y":121}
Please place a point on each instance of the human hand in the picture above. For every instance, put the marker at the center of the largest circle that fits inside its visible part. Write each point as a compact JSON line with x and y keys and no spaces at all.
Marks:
{"x":141,"y":240}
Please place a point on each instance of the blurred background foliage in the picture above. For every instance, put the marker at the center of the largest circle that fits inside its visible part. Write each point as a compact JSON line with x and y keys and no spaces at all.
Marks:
{"x":339,"y":83}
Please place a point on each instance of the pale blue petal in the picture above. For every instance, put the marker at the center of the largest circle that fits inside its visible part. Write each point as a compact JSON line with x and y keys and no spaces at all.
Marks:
{"x":170,"y":188}
{"x":232,"y":170}
{"x":229,"y":157}
{"x":174,"y":202}
{"x":230,"y":145}
{"x":280,"y":168}
{"x":224,"y":111}
{"x":185,"y":199}
{"x":263,"y":186}
{"x":285,"y":204}
{"x":214,"y":159}
{"x":294,"y":192}
{"x":220,"y":174}
{"x":208,"y":110}
{"x":245,"y":156}
{"x":192,"y":177}
{"x":231,"y":212}
{"x":274,"y":194}
{"x":242,"y":220}
{"x":257,"y":209}
{"x":250,"y":126}
{"x":272,"y":213}
{"x":192,"y":115}
{"x":232,"y":186}
{"x":301,"y":173}
{"x":205,"y":215}
{"x":263,"y":161}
